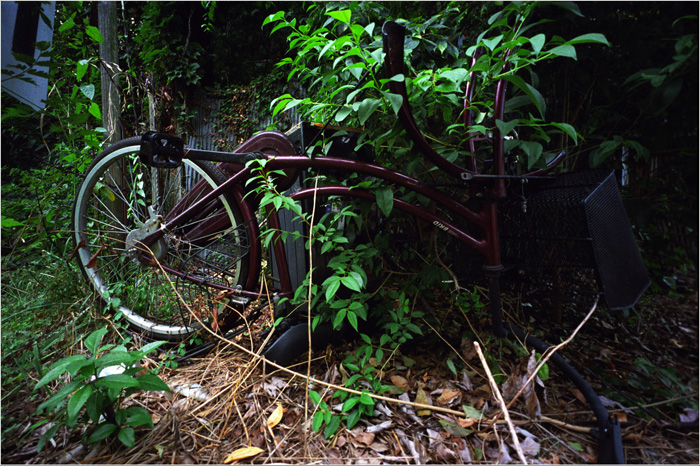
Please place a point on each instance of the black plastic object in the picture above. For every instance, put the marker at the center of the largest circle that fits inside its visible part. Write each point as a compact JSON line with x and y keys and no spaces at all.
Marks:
{"x":161,"y":150}
{"x":608,"y":432}
{"x":295,"y":341}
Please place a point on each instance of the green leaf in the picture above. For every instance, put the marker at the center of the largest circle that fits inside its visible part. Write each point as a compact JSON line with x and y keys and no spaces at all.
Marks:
{"x":88,"y":90}
{"x":10,"y":222}
{"x":77,"y":400}
{"x":81,"y":69}
{"x":94,"y":407}
{"x":365,"y":399}
{"x":451,"y":366}
{"x":353,"y":418}
{"x":493,"y":42}
{"x":534,"y":95}
{"x":315,"y":397}
{"x":332,"y":427}
{"x":351,"y":283}
{"x":138,"y":416}
{"x":332,"y":284}
{"x":342,"y":16}
{"x":127,"y":436}
{"x":352,"y":318}
{"x":564,"y":50}
{"x":343,"y":114}
{"x":350,"y":403}
{"x":94,"y":110}
{"x":471,"y":412}
{"x":606,"y":149}
{"x":92,"y":341}
{"x":576,"y":446}
{"x":117,"y":381}
{"x":385,"y":199}
{"x":47,"y":436}
{"x":152,"y":383}
{"x":395,"y":100}
{"x":366,"y":108}
{"x":570,"y":6}
{"x":568,"y":129}
{"x":339,"y":316}
{"x":102,"y":432}
{"x":114,"y":359}
{"x":593,"y":37}
{"x":58,"y":368}
{"x":537,"y":42}
{"x":66,"y":25}
{"x":94,"y":34}
{"x":506,"y":128}
{"x":149,"y":348}
{"x":533,"y":151}
{"x":317,"y":421}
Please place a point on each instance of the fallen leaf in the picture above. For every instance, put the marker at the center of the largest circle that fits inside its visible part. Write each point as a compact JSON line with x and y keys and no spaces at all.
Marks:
{"x":400,"y":382}
{"x":468,"y":350}
{"x":689,"y":415}
{"x":365,"y":438}
{"x":471,"y":412}
{"x":424,"y":399}
{"x":504,"y":455}
{"x":530,"y":447}
{"x":579,"y":396}
{"x":533,"y":403}
{"x":81,"y":245}
{"x":379,"y":427}
{"x":275,"y":417}
{"x":465,"y":423}
{"x":448,"y":396}
{"x":454,"y":429}
{"x":243,"y":453}
{"x":379,"y":447}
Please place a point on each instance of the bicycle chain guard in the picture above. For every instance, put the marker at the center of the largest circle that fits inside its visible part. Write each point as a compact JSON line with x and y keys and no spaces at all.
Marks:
{"x":161,"y":150}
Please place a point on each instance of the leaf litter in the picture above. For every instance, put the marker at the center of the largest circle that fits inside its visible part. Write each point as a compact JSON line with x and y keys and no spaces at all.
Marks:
{"x":254,"y":414}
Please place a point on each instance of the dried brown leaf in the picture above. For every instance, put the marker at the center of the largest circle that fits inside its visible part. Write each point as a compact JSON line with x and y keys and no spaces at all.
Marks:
{"x":243,"y":453}
{"x":579,"y":396}
{"x":448,"y":396}
{"x":365,"y":438}
{"x":275,"y":417}
{"x":466,"y":423}
{"x":400,"y":382}
{"x":468,"y":350}
{"x":423,"y":398}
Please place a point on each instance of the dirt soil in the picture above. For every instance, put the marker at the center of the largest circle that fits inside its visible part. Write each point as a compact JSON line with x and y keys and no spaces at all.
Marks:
{"x":644,"y":365}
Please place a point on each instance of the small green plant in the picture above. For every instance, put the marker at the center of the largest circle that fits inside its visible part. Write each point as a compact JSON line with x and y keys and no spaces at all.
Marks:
{"x":95,"y":385}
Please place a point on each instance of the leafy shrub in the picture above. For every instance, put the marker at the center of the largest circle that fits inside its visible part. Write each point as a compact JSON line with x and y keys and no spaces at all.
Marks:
{"x":100,"y":394}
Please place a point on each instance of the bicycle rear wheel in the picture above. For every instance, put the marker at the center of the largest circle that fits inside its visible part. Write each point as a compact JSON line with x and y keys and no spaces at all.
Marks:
{"x":168,"y":288}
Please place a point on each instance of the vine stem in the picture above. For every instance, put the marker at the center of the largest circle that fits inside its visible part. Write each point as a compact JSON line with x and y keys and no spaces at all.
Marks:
{"x":309,"y":379}
{"x":504,"y":409}
{"x":308,"y":316}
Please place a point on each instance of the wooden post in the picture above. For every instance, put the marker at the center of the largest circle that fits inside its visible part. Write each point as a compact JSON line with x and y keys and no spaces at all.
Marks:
{"x":109,"y":56}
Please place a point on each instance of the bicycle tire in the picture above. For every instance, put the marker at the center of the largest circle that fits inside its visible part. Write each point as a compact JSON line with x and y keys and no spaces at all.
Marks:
{"x":120,"y":201}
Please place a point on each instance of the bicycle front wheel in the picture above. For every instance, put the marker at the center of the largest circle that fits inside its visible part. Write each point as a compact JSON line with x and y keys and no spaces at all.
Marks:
{"x":168,"y":288}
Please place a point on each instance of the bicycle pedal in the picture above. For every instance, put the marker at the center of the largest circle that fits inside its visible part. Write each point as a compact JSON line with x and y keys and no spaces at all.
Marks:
{"x":161,"y":150}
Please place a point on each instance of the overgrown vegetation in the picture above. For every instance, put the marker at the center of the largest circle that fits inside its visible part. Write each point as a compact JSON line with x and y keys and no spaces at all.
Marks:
{"x":616,"y":89}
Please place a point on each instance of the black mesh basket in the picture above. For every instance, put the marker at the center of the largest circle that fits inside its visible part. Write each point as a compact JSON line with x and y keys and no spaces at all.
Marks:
{"x":570,"y":238}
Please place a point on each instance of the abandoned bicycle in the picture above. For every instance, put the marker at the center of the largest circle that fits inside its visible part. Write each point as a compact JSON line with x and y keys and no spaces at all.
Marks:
{"x":156,"y":223}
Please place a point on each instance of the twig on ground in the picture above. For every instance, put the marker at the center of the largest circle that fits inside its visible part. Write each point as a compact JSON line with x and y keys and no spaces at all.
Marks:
{"x":504,"y":409}
{"x":550,"y":352}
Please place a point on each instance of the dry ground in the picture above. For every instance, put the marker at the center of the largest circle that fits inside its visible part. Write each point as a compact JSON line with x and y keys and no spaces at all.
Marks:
{"x":237,"y":395}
